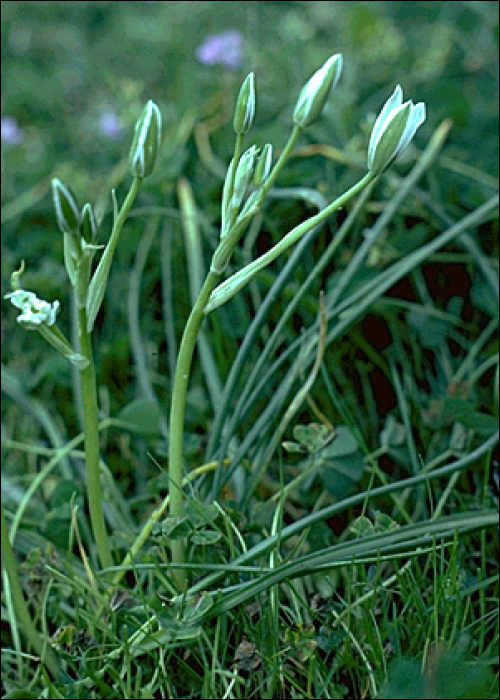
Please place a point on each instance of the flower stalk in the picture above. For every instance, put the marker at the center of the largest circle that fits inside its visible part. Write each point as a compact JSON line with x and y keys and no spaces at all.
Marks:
{"x":236,"y":215}
{"x":233,"y":284}
{"x":91,"y":443}
{"x":177,"y":410}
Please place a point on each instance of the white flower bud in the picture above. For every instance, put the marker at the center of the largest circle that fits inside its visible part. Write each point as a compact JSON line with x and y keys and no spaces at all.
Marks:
{"x":315,"y":92}
{"x":147,"y":140}
{"x":263,"y":167}
{"x":243,"y":175}
{"x":393,"y":130}
{"x":245,"y":106}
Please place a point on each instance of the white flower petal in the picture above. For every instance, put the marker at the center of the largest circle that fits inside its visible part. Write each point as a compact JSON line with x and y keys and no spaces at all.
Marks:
{"x":415,"y":119}
{"x":385,"y":116}
{"x":35,"y":311}
{"x":382,"y":149}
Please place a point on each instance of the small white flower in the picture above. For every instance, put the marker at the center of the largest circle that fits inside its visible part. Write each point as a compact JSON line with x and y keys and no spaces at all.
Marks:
{"x":35,"y":312}
{"x":393,"y":130}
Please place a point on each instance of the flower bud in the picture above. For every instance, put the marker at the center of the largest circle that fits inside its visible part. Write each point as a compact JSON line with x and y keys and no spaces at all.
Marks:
{"x":393,"y":130}
{"x":243,"y":175}
{"x":67,"y":212}
{"x":89,"y":224}
{"x":245,"y":106}
{"x":226,"y":200}
{"x":147,"y":140}
{"x":315,"y":92}
{"x":263,"y":167}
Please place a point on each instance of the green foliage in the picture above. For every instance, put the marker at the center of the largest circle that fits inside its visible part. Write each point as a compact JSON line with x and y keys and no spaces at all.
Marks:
{"x":361,"y":559}
{"x":448,"y":675}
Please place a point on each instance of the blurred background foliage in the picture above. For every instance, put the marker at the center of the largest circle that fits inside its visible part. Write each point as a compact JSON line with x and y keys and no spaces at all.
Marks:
{"x":76,"y":75}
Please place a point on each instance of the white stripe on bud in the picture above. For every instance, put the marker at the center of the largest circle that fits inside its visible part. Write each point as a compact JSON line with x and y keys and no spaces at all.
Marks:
{"x":245,"y":106}
{"x":66,"y":208}
{"x":315,"y":92}
{"x":147,"y":140}
{"x":393,"y":130}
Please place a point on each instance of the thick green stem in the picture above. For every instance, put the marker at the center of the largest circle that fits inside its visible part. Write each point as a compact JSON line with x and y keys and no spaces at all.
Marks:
{"x":91,"y":441}
{"x":176,"y":431}
{"x":9,"y":562}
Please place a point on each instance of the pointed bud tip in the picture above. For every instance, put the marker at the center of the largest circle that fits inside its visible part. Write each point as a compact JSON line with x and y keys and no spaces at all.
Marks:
{"x":146,"y":142}
{"x":66,"y":208}
{"x":244,"y":110}
{"x":393,"y":130}
{"x":314,"y":94}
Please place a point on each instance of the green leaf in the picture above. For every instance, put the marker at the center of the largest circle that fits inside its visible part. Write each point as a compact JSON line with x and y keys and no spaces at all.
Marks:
{"x":197,"y":607}
{"x":175,"y":634}
{"x":340,"y":475}
{"x":405,"y":681}
{"x":384,"y":522}
{"x":176,"y":527}
{"x":456,"y":409}
{"x":362,"y":527}
{"x":201,"y":513}
{"x":63,"y":493}
{"x":473,"y":681}
{"x":141,"y":416}
{"x":344,"y":444}
{"x":205,"y":537}
{"x":313,"y":436}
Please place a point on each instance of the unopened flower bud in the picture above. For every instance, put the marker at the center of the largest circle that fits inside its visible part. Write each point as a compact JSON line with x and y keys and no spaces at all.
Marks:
{"x":244,"y":173}
{"x":66,"y":208}
{"x":147,"y":140}
{"x":245,"y":106}
{"x":393,"y":130}
{"x":89,"y":224}
{"x":263,"y":167}
{"x":315,"y":92}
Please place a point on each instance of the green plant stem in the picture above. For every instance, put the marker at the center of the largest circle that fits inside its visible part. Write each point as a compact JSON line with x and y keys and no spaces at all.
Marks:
{"x":98,"y":283}
{"x":238,"y":146}
{"x":91,"y":442}
{"x":241,"y":278}
{"x":185,"y":356}
{"x":285,"y":154}
{"x":176,"y":430}
{"x":120,"y":219}
{"x":9,"y":562}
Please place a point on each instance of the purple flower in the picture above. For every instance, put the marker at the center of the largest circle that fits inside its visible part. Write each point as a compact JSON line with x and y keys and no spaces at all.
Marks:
{"x":11,"y":132}
{"x":225,"y":48}
{"x":110,"y":125}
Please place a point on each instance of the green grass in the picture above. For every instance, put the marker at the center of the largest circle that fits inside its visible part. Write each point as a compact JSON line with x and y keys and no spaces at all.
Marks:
{"x":364,"y":567}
